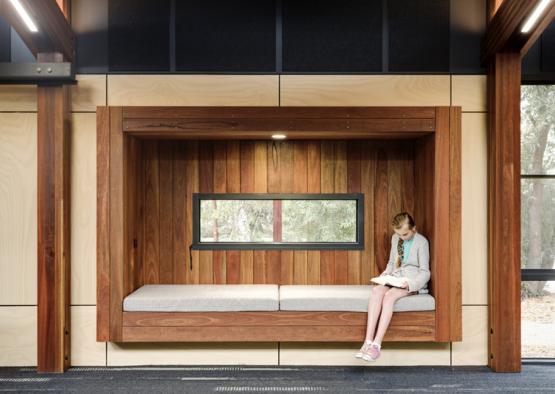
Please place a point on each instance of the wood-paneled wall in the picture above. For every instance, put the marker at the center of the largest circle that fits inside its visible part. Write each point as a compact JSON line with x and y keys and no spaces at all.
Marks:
{"x":173,"y":170}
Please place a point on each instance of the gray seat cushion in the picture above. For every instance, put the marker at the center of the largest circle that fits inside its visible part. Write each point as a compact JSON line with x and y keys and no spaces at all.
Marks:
{"x":347,"y":298}
{"x":203,"y":298}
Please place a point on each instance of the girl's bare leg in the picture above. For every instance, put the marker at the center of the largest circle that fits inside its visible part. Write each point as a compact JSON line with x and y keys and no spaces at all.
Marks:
{"x":374,"y":308}
{"x":389,"y":299}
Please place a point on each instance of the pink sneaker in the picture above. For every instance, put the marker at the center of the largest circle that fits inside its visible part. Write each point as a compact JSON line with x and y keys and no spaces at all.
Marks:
{"x":373,"y":352}
{"x":364,"y":349}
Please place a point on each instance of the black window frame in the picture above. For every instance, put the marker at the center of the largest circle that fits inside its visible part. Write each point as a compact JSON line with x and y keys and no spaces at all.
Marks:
{"x":358,"y":245}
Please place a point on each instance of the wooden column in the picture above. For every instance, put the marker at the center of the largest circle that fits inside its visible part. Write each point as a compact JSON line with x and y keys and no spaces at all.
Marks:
{"x":53,"y":185}
{"x":504,"y":212}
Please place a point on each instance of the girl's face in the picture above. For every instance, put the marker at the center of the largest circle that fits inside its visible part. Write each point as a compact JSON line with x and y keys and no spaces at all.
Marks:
{"x":405,"y":233}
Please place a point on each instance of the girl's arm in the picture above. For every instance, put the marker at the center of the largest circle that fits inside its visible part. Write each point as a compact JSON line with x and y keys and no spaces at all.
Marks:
{"x":423,"y":255}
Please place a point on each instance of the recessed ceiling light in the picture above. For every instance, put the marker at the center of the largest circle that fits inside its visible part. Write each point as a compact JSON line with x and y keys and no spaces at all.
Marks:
{"x":535,"y":15}
{"x":24,"y":15}
{"x":279,"y":136}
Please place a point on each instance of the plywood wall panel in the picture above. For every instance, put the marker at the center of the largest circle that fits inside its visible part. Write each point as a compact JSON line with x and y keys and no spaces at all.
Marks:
{"x":193,"y":354}
{"x":18,"y":98}
{"x":85,"y":350}
{"x":193,"y":90}
{"x":469,"y":92}
{"x":474,"y":209}
{"x":88,"y":93}
{"x":473,"y":350}
{"x":367,"y":90}
{"x":18,"y":336}
{"x":83,"y":209}
{"x":18,"y":209}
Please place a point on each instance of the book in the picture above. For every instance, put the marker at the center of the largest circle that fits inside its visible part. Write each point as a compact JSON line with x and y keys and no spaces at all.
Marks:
{"x":389,"y":280}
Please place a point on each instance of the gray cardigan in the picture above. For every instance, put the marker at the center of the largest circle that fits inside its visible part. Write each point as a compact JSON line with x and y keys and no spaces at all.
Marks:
{"x":417,"y":267}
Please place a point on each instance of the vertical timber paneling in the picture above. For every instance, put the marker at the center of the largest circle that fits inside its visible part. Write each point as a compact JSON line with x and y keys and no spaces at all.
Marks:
{"x":220,"y":186}
{"x":247,"y":186}
{"x":327,"y":176}
{"x":313,"y":186}
{"x":233,"y":257}
{"x":206,"y":185}
{"x":152,"y":262}
{"x":300,"y":162}
{"x":173,"y":171}
{"x":260,"y":186}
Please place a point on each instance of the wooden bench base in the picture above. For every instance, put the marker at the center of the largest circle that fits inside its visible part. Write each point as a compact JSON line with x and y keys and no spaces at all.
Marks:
{"x":281,"y":326}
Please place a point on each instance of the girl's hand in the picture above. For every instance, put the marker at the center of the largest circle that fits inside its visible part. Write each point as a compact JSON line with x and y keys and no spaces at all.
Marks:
{"x":405,"y":285}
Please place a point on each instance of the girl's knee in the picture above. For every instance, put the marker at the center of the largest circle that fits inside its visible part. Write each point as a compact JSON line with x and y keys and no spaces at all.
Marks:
{"x":380,"y":289}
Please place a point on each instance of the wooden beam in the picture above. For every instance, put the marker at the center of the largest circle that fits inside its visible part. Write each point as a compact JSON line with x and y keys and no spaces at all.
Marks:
{"x":504,"y":29}
{"x":54,"y":31}
{"x":53,"y":201}
{"x":504,"y":212}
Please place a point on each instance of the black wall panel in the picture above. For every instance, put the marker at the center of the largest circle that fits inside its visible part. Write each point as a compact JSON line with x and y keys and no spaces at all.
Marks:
{"x":220,"y":35}
{"x":139,"y":35}
{"x":468,"y":26}
{"x":4,"y":41}
{"x":548,"y":49}
{"x":89,"y":20}
{"x":418,"y":35}
{"x":332,"y":36}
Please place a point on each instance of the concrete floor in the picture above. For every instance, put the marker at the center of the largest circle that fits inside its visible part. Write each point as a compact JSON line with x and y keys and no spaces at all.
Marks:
{"x":532,"y":379}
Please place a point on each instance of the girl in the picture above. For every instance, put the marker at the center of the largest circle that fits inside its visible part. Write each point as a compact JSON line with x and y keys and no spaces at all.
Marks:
{"x":409,"y":258}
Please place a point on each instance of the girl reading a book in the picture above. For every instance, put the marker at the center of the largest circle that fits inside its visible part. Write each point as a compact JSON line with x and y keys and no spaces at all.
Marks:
{"x":409,"y":265}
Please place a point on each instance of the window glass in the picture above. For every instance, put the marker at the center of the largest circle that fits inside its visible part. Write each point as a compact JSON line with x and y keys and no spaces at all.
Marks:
{"x":229,"y":221}
{"x":538,"y":319}
{"x":538,"y":223}
{"x":319,"y":221}
{"x":538,"y":129}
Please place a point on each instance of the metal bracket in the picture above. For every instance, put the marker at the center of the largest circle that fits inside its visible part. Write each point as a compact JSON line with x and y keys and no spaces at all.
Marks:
{"x":37,"y":73}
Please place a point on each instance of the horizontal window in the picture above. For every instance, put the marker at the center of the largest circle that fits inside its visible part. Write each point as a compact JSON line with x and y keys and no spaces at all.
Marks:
{"x":278,"y":221}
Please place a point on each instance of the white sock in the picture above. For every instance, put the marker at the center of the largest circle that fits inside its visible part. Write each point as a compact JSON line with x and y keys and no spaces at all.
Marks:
{"x":368,"y":342}
{"x":377,"y":345}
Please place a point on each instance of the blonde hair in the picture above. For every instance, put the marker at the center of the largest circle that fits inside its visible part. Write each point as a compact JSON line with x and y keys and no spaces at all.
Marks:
{"x":399,"y":221}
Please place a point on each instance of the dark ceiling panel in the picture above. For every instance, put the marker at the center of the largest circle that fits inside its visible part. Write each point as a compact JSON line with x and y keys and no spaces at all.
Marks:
{"x":418,"y":35}
{"x":225,"y":36}
{"x":139,"y":35}
{"x":332,"y":36}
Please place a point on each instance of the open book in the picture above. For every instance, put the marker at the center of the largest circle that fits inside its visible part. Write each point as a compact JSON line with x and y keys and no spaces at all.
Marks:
{"x":389,"y":280}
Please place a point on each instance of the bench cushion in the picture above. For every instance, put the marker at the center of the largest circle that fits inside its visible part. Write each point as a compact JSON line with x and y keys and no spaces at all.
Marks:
{"x":202,"y":298}
{"x":345,"y":298}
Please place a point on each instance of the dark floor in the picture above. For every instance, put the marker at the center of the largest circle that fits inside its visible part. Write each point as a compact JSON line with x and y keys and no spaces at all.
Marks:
{"x":532,"y":379}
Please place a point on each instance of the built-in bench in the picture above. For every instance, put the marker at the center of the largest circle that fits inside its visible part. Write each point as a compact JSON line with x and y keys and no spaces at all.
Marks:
{"x":151,"y":161}
{"x":266,"y":313}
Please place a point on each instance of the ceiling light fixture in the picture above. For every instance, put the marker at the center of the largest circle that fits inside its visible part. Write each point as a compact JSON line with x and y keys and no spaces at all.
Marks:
{"x":279,"y":136}
{"x":535,"y":15}
{"x":24,"y":15}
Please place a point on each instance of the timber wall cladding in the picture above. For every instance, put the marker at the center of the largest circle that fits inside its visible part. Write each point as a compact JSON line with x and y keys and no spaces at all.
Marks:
{"x":173,"y":170}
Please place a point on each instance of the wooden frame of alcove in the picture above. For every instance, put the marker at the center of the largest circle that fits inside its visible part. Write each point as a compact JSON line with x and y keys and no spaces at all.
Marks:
{"x":119,"y":128}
